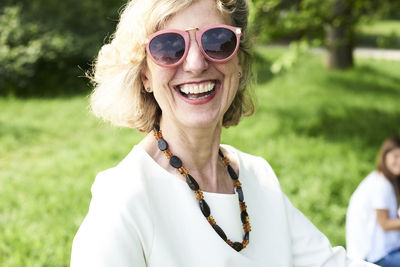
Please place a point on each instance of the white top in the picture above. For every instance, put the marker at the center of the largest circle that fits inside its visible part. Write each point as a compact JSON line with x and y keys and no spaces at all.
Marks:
{"x":365,"y":238}
{"x":141,"y":215}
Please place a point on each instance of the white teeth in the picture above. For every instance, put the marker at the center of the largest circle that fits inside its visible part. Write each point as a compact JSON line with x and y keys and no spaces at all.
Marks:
{"x":195,"y":88}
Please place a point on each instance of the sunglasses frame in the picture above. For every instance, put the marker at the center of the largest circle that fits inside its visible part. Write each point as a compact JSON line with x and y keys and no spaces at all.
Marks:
{"x":199,"y":33}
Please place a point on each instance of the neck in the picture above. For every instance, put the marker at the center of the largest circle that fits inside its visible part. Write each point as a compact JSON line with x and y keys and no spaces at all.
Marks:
{"x":198,"y":147}
{"x":198,"y":150}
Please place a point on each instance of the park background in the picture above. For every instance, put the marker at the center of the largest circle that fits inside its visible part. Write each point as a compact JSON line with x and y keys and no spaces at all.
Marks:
{"x":320,"y":117}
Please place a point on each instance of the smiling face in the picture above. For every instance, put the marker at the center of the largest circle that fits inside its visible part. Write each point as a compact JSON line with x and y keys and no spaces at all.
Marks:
{"x":198,"y":92}
{"x":392,"y":161}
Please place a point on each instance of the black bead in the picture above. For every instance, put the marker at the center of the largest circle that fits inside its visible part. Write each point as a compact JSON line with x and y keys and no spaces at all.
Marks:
{"x":175,"y":162}
{"x":237,"y":246}
{"x":192,"y":182}
{"x":220,"y":153}
{"x":156,"y":127}
{"x":162,"y":144}
{"x":205,"y":209}
{"x":246,"y":236}
{"x":243,"y":216}
{"x":219,"y":231}
{"x":232,"y":173}
{"x":240,"y":194}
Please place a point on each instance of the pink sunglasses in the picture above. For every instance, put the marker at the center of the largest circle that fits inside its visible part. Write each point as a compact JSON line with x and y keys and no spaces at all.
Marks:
{"x":218,"y":43}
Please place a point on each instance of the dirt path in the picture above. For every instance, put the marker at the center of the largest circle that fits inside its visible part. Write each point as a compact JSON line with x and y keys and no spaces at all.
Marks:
{"x":387,"y":54}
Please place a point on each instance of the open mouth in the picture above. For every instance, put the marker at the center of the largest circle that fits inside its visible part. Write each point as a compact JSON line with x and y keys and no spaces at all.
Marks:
{"x":197,"y":91}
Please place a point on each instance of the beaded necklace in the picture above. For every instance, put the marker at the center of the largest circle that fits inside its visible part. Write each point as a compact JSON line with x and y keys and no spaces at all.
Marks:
{"x":176,"y":162}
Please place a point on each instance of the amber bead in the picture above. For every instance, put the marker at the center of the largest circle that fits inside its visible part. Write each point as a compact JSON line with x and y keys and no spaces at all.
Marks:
{"x":225,"y":161}
{"x":211,"y":220}
{"x":175,"y":162}
{"x":240,"y":194}
{"x":237,"y":184}
{"x":243,"y":216}
{"x":232,"y":173}
{"x":205,"y":209}
{"x":192,"y":183}
{"x":162,"y":145}
{"x":199,"y":194}
{"x":246,"y":227}
{"x":219,"y":231}
{"x":237,"y":246}
{"x":183,"y":171}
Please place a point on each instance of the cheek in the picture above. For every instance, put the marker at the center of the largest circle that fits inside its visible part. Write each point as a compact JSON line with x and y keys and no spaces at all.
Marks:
{"x":162,"y":77}
{"x":231,"y":82}
{"x":158,"y":76}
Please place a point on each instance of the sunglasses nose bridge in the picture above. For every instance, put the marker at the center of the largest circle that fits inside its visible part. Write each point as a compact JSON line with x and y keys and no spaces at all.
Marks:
{"x":192,"y":29}
{"x":192,"y":35}
{"x":195,"y":60}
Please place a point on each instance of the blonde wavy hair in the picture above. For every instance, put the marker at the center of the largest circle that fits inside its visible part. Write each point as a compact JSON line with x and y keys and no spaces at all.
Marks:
{"x":119,"y":96}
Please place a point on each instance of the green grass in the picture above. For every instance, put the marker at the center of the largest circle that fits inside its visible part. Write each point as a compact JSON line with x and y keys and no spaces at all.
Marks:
{"x":319,"y":129}
{"x":50,"y":152}
{"x":381,"y":27}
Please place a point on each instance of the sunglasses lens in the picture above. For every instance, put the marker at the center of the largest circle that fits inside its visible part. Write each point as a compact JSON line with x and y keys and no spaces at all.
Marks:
{"x":219,"y":43}
{"x":167,"y":48}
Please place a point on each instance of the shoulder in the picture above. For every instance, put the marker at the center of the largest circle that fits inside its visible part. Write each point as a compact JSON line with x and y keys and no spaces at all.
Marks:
{"x":119,"y":223}
{"x":374,"y":181}
{"x":122,"y":182}
{"x":377,"y":181}
{"x":375,"y":191}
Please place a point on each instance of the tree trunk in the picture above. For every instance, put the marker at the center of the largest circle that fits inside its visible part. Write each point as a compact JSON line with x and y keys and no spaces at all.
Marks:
{"x":339,"y":37}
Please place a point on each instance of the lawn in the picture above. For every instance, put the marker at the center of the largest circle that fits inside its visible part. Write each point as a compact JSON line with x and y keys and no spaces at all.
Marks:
{"x":378,"y":27}
{"x":319,"y":129}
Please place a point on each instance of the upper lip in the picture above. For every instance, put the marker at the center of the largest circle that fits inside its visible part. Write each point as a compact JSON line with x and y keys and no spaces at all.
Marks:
{"x":195,"y":82}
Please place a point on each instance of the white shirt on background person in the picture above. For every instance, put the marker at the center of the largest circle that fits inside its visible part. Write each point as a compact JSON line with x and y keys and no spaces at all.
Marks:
{"x":365,"y":238}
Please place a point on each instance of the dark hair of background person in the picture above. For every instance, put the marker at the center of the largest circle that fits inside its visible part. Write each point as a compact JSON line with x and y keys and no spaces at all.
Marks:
{"x":387,"y":146}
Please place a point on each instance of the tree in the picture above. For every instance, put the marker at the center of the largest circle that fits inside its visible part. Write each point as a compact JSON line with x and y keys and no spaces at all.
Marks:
{"x":45,"y":44}
{"x":330,"y":22}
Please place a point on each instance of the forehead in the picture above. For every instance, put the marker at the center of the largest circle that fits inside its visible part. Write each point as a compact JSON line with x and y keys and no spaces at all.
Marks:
{"x":198,"y":15}
{"x":394,"y":153}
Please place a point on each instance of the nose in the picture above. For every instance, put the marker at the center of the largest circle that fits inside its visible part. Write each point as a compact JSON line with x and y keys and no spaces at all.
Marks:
{"x":195,"y":62}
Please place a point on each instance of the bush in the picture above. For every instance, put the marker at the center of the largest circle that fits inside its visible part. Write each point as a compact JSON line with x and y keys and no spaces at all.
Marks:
{"x":45,"y":45}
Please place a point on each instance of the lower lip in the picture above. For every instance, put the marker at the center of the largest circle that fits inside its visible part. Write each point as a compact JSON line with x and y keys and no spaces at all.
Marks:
{"x":202,"y":100}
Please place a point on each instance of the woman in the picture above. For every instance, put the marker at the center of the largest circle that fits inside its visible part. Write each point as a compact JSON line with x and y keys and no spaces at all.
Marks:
{"x":373,"y":223}
{"x":180,"y":198}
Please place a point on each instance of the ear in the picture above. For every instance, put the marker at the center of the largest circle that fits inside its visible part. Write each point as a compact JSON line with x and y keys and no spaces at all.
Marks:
{"x":145,"y":77}
{"x":240,"y":55}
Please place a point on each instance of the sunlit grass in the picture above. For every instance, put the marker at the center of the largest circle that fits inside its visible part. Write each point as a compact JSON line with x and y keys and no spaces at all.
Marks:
{"x":319,"y":129}
{"x":381,"y":27}
{"x":380,"y":34}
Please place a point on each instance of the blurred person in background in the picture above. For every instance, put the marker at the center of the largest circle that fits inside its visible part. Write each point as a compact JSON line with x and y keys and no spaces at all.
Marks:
{"x":373,"y":223}
{"x":178,"y":70}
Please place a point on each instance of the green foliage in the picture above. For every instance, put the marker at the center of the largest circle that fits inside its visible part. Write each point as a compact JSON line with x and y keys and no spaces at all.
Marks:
{"x":293,"y":20}
{"x":382,"y":34}
{"x":22,"y":47}
{"x":320,"y":130}
{"x":44,"y":44}
{"x":288,"y":59}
